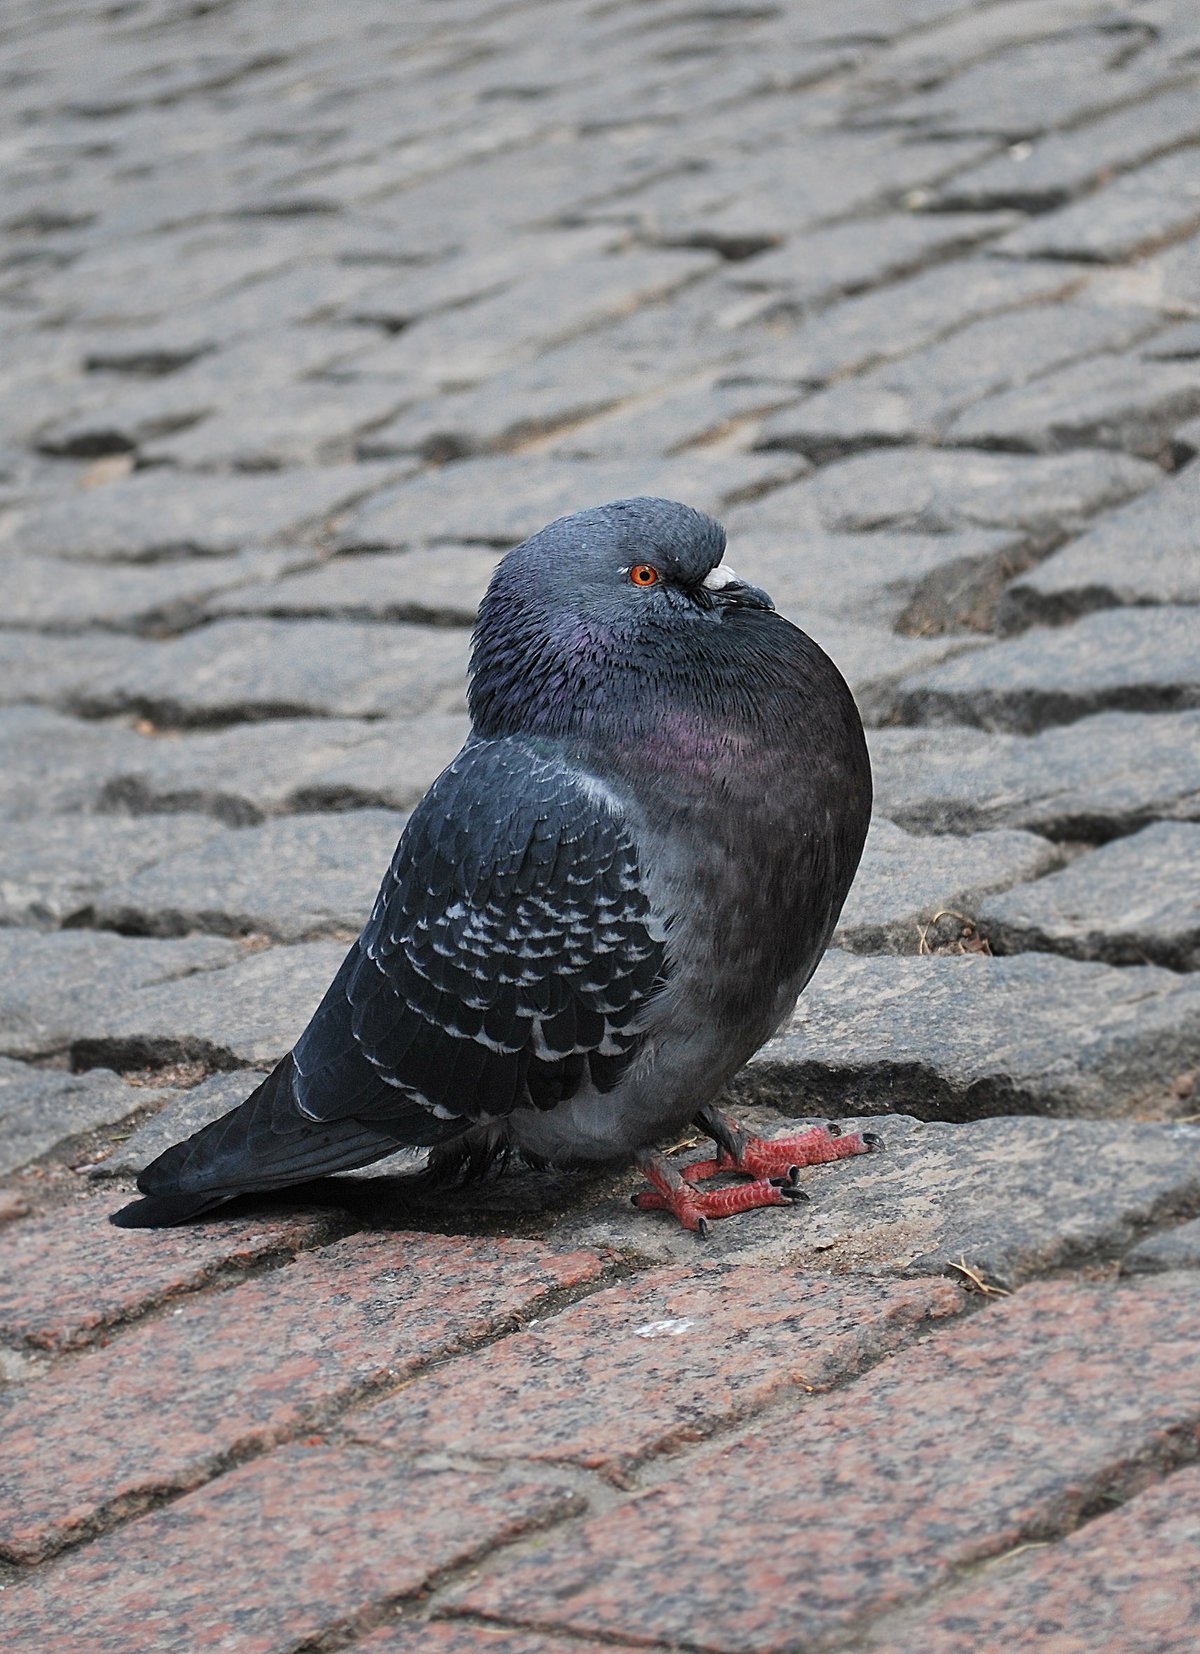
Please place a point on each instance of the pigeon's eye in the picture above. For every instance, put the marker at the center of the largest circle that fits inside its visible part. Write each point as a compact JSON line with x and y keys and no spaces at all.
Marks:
{"x":642,"y":574}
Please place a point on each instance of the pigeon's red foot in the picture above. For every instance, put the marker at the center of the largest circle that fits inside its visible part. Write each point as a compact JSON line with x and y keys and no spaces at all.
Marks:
{"x":773,"y":1164}
{"x":780,"y":1156}
{"x":694,"y":1207}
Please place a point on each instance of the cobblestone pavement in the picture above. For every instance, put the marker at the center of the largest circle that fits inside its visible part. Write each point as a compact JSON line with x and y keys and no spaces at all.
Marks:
{"x":306,"y":312}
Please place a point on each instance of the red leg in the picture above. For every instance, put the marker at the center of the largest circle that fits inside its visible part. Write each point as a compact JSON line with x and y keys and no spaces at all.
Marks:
{"x":694,"y":1207}
{"x":773,"y":1164}
{"x":775,"y":1156}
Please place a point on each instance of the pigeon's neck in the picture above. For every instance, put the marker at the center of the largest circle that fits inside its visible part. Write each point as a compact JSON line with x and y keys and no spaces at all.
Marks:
{"x":534,"y":676}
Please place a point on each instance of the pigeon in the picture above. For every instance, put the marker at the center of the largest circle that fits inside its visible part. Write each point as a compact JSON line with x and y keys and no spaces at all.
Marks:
{"x":599,"y":911}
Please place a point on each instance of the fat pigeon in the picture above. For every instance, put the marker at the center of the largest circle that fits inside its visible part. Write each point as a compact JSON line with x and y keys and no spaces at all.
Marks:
{"x":606,"y":903}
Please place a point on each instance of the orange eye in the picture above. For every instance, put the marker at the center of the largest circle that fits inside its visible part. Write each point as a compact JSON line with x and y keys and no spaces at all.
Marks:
{"x":643,"y":575}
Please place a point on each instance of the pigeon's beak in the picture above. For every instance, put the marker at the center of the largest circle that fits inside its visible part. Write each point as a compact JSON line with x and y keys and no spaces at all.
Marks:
{"x":727,"y":588}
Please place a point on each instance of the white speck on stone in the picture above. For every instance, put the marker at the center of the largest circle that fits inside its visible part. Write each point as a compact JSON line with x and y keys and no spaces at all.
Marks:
{"x":673,"y":1327}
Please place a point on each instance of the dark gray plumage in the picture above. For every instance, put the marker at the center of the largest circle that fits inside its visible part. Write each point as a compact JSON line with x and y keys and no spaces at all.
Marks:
{"x":606,"y":903}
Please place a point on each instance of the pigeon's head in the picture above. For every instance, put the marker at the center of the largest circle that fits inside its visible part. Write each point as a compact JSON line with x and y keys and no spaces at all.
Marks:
{"x":618,"y":584}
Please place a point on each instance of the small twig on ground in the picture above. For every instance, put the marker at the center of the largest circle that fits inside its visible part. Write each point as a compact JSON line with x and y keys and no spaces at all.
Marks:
{"x":977,"y":1281}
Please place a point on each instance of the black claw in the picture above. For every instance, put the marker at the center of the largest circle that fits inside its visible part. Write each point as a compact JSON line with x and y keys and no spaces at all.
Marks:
{"x":832,"y":1127}
{"x":702,"y":1228}
{"x":790,"y":1191}
{"x":873,"y":1141}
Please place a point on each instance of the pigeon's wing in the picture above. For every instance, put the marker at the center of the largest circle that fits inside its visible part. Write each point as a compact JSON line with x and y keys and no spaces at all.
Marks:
{"x":511,"y":955}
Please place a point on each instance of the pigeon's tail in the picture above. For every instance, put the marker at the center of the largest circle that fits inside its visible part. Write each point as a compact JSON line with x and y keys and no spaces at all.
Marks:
{"x":264,"y":1143}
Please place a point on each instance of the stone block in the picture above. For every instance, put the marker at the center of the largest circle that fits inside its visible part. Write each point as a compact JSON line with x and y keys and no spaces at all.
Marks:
{"x":50,"y":984}
{"x":940,"y":491}
{"x":1049,"y":169}
{"x":699,"y":1348}
{"x":1135,"y":901}
{"x":1107,"y":402}
{"x":44,"y":592}
{"x":43,"y":1107}
{"x":248,"y":1015}
{"x":54,"y":866}
{"x":70,"y":1278}
{"x":294,"y":879}
{"x":442,"y":585}
{"x":251,"y":669}
{"x":251,"y":771}
{"x":49,"y":762}
{"x":904,"y":880}
{"x":967,"y":1036}
{"x":1010,"y":1198}
{"x":191,"y":1575}
{"x":1004,"y":1427}
{"x":1134,"y":212}
{"x":1143,"y":553}
{"x":230,"y":1372}
{"x":1175,"y":1248}
{"x":917,"y":398}
{"x":156,"y":514}
{"x":1126,"y":1579}
{"x":1095,"y":779}
{"x":1130,"y":660}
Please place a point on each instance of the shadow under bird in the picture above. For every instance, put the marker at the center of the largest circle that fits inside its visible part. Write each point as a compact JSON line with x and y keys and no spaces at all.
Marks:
{"x":605,"y":904}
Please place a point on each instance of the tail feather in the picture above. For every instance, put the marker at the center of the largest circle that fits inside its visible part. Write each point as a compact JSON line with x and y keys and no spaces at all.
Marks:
{"x":266,"y":1143}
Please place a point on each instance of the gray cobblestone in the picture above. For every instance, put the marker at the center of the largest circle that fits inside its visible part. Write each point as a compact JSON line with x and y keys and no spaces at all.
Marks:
{"x":935,"y":491}
{"x":293,"y":879}
{"x":1145,"y":553}
{"x":1174,"y":1248}
{"x":963,"y":1037}
{"x":1117,"y":659}
{"x":904,"y":880}
{"x":1157,"y":203}
{"x":1108,"y":402}
{"x":41,"y":1108}
{"x":1133,"y":902}
{"x":1095,"y":779}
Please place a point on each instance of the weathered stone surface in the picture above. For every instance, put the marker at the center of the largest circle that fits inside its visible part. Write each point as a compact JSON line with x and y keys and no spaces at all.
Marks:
{"x":699,"y":1350}
{"x":461,"y":1637}
{"x":54,"y":866}
{"x":1135,"y":901}
{"x":58,"y":669}
{"x":50,"y":984}
{"x":837,"y":257}
{"x":1139,"y":209}
{"x":276,"y":668}
{"x":318,"y":423}
{"x":1134,"y":660}
{"x":971,"y":1036}
{"x":1124,"y":1580}
{"x":49,"y":762}
{"x":903,"y":881}
{"x":500,"y":501}
{"x":227,"y":1373}
{"x":248,"y":1015}
{"x":1004,"y":1427}
{"x":443,"y":584}
{"x":1107,"y":402}
{"x":68,"y":1278}
{"x":936,"y":491}
{"x":294,"y":878}
{"x":902,"y":317}
{"x":1144,"y":553}
{"x":50,"y":592}
{"x":1094,"y":779}
{"x":1049,"y":169}
{"x":1175,"y":1248}
{"x":1010,"y":1197}
{"x":156,"y":514}
{"x":868,"y":579}
{"x":191,"y":1575}
{"x":915,"y":400}
{"x":463,"y":344}
{"x":250,"y":771}
{"x":42,"y":1107}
